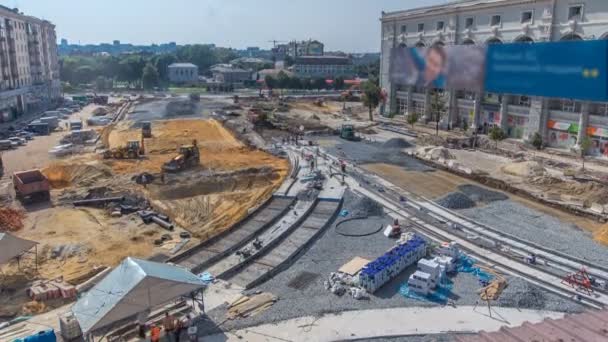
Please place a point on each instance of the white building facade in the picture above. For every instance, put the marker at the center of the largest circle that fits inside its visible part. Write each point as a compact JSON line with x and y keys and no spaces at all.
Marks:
{"x":183,"y":73}
{"x":561,"y":122}
{"x":29,"y":64}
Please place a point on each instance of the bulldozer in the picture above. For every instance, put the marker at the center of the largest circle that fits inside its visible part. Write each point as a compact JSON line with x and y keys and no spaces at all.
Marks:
{"x":189,"y":156}
{"x":132,"y":150}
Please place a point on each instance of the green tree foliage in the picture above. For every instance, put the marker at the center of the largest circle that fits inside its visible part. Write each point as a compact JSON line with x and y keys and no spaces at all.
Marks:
{"x":84,"y":74}
{"x":150,"y":78}
{"x":319,"y":83}
{"x":339,"y":83}
{"x":537,"y":141}
{"x":270,"y":81}
{"x":283,"y":80}
{"x":585,"y":144}
{"x":162,"y":63}
{"x":371,"y":96}
{"x":497,"y":134}
{"x":412,"y":118}
{"x":368,"y":70}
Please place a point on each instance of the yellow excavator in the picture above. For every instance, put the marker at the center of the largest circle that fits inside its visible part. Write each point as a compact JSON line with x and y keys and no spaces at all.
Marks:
{"x":189,"y":156}
{"x":132,"y":150}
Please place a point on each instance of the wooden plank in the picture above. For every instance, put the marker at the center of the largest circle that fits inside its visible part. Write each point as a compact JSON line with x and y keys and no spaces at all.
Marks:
{"x":354,"y":266}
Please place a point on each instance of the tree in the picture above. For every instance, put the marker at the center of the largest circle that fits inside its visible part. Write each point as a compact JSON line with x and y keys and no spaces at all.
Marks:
{"x":162,"y":63}
{"x":537,"y":141}
{"x":84,"y":75}
{"x":201,"y":55}
{"x":319,"y":83}
{"x":497,"y":134}
{"x":437,"y":108}
{"x":412,"y":118}
{"x":295,"y":83}
{"x":339,"y":83}
{"x":371,"y":97}
{"x":149,"y":78}
{"x":283,"y":80}
{"x":585,"y":144}
{"x":131,"y":69}
{"x":271,"y":83}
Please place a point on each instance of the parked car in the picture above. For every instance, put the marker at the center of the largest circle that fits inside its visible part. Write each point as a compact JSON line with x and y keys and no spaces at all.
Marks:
{"x":62,"y":150}
{"x":19,"y":141}
{"x":25,"y":135}
{"x":5,"y":145}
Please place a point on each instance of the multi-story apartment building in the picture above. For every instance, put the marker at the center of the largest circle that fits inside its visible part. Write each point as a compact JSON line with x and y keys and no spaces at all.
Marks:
{"x":561,"y":122}
{"x":29,"y":66}
{"x":324,"y":66}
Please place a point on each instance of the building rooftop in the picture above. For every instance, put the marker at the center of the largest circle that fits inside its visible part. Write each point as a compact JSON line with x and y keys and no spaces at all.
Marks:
{"x":588,"y":326}
{"x":182,"y":65}
{"x":221,"y":68}
{"x":324,"y":60}
{"x":447,"y":7}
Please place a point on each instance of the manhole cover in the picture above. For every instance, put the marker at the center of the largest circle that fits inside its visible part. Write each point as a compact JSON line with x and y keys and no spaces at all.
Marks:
{"x":302,"y":280}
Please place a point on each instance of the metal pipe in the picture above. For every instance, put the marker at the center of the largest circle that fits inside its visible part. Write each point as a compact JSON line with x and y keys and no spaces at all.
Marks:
{"x":167,"y":225}
{"x":97,"y":201}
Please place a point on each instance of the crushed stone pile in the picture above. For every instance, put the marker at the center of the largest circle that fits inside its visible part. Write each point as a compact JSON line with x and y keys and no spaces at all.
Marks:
{"x":397,"y":143}
{"x":523,"y":295}
{"x":480,"y":194}
{"x":524,"y":169}
{"x":365,"y":207}
{"x":434,"y":153}
{"x":456,"y":200}
{"x":11,"y":220}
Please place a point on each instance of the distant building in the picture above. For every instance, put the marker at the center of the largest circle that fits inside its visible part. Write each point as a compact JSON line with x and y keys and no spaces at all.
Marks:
{"x":64,"y":42}
{"x":324,"y":66}
{"x":183,"y":73}
{"x":229,"y":74}
{"x":30,"y":68}
{"x":305,"y":48}
{"x":116,"y":43}
{"x":251,"y":63}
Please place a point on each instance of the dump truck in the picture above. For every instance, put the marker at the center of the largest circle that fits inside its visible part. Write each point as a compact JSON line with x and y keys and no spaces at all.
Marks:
{"x":189,"y":156}
{"x":347,"y":132}
{"x":146,"y":129}
{"x":31,"y":186}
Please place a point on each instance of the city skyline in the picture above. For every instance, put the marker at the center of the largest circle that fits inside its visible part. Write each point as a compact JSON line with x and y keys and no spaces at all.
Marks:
{"x":334,"y":23}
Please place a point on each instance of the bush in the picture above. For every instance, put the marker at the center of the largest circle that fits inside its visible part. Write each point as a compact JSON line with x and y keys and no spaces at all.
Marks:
{"x":537,"y":141}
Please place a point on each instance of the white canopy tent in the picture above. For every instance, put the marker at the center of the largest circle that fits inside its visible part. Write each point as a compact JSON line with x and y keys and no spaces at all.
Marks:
{"x":133,"y":287}
{"x":13,"y":247}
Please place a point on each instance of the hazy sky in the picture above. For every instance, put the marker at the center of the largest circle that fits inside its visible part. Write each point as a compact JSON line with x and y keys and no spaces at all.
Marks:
{"x":348,"y":25}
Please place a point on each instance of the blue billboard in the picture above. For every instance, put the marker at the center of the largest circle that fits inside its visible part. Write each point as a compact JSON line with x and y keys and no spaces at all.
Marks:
{"x":570,"y":69}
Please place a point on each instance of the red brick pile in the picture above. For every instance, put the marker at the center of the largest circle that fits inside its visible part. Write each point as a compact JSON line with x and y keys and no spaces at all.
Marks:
{"x":11,"y":220}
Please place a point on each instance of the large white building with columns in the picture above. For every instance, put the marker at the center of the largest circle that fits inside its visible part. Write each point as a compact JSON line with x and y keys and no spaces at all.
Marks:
{"x":561,"y":122}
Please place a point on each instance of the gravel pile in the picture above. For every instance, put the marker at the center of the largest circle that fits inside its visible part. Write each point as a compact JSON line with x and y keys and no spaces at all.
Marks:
{"x":532,"y":225}
{"x":397,"y":143}
{"x":456,"y":200}
{"x":481,"y":194}
{"x":365,"y":207}
{"x":368,"y":153}
{"x":523,"y":295}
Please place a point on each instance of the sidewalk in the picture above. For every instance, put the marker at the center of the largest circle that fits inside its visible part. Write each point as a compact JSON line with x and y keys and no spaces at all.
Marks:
{"x":386,"y":323}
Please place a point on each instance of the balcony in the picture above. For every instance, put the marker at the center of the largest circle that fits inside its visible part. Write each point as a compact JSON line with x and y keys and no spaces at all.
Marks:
{"x":519,"y":110}
{"x":465,"y":103}
{"x":401,"y":94}
{"x":418,"y":97}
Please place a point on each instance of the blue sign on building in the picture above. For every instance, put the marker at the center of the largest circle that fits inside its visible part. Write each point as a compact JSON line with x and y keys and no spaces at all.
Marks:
{"x":572,"y":69}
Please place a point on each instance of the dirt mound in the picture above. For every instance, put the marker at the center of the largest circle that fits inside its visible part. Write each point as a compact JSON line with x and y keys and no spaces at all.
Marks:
{"x":205,"y":183}
{"x":181,"y":107}
{"x":434,"y":153}
{"x":524,"y":169}
{"x":480,"y":194}
{"x":397,"y":143}
{"x":11,"y":220}
{"x":63,"y":175}
{"x":432,"y":140}
{"x":456,"y":200}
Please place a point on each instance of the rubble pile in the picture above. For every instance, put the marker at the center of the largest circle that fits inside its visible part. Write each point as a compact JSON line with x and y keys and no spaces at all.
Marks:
{"x":397,"y":143}
{"x":339,"y":283}
{"x":456,"y":200}
{"x":11,"y":220}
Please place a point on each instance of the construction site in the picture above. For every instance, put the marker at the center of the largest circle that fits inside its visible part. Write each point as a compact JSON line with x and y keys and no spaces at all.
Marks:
{"x":283,"y":218}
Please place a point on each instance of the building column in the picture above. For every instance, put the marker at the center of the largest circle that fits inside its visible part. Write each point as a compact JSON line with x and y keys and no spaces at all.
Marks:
{"x":452,"y":109}
{"x":583,"y":123}
{"x":476,"y":111}
{"x":538,"y":118}
{"x":428,"y":115}
{"x":410,"y":101}
{"x":504,"y":111}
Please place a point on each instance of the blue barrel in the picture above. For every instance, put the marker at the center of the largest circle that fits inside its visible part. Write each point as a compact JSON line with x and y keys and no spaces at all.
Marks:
{"x":42,"y":336}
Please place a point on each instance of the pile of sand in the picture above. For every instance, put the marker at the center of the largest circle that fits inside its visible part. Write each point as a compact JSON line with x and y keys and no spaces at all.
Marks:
{"x":524,"y":169}
{"x":62,"y":175}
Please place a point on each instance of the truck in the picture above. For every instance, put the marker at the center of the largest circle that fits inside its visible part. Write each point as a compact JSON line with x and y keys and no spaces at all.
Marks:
{"x":146,"y":129}
{"x":53,"y":122}
{"x":39,"y":128}
{"x":31,"y":186}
